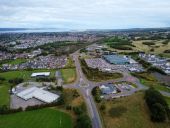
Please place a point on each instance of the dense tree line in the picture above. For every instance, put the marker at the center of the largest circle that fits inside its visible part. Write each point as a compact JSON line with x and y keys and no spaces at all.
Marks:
{"x":159,"y":109}
{"x":144,"y":63}
{"x":16,"y":81}
{"x":45,"y":79}
{"x":155,"y":69}
{"x":6,"y":110}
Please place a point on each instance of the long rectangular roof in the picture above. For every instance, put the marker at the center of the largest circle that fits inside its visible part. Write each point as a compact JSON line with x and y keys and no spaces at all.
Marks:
{"x":40,"y":74}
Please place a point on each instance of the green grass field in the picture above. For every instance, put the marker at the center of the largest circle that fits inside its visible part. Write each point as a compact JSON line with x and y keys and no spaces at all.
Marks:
{"x":17,"y":61}
{"x":4,"y":94}
{"x":128,"y":112}
{"x":26,"y":75}
{"x":42,"y":118}
{"x":168,"y":100}
{"x":69,"y":75}
{"x":4,"y":86}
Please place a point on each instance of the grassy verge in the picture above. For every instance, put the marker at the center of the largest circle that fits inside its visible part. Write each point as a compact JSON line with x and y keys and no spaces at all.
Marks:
{"x":96,"y":75}
{"x":4,"y":94}
{"x":42,"y":118}
{"x":69,"y":75}
{"x":70,"y":63}
{"x":128,"y":112}
{"x":150,"y":81}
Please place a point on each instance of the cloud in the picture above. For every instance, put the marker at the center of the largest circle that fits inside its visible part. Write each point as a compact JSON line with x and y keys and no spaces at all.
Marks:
{"x":85,"y":14}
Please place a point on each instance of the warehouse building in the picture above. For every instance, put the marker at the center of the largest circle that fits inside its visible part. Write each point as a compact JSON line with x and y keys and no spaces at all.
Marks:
{"x":116,"y":59}
{"x":38,"y":93}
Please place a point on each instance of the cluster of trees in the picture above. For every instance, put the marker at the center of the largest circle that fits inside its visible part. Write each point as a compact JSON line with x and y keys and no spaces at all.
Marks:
{"x":16,"y":81}
{"x":157,"y":105}
{"x":120,"y":43}
{"x":45,"y":79}
{"x":96,"y":92}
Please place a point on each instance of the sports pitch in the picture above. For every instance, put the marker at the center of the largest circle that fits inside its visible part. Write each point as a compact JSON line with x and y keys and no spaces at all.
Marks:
{"x":42,"y":118}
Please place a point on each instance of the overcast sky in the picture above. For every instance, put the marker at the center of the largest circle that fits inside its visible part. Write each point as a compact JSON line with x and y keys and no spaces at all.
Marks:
{"x":84,"y":14}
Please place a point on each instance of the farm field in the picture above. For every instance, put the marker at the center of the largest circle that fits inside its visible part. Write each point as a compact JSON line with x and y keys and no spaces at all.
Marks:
{"x":42,"y":118}
{"x":69,"y":75}
{"x":134,"y":114}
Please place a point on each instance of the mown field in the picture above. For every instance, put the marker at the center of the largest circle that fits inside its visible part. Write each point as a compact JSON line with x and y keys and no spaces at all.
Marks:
{"x":26,"y":75}
{"x":128,"y":112}
{"x":69,"y":75}
{"x":42,"y":118}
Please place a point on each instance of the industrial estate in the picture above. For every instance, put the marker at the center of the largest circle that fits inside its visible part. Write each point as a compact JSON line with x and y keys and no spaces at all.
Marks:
{"x":91,"y":79}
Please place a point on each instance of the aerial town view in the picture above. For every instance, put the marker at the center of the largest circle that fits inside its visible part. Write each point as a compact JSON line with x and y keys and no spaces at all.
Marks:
{"x":84,"y":64}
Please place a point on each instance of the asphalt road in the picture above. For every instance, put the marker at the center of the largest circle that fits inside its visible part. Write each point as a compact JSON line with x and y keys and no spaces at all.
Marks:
{"x":85,"y":87}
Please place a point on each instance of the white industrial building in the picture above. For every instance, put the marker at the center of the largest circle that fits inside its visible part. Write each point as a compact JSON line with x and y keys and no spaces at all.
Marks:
{"x":38,"y":93}
{"x":40,"y":74}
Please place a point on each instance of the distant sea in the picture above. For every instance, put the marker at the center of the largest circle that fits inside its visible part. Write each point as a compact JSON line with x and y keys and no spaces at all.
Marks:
{"x":25,"y":30}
